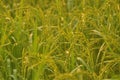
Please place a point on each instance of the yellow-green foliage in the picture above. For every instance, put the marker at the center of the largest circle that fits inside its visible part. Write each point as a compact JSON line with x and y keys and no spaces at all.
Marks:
{"x":59,"y":39}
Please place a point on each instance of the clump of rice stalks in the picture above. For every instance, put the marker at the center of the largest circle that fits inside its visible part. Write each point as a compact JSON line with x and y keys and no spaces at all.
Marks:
{"x":59,"y":40}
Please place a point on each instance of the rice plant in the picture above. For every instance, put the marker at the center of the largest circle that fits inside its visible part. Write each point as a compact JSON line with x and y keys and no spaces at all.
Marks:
{"x":59,"y":40}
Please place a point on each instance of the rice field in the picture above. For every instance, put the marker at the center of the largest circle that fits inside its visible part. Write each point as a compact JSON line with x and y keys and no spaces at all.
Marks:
{"x":59,"y":39}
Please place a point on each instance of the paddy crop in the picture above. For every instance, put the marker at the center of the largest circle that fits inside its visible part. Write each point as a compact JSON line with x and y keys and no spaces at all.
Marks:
{"x":59,"y":39}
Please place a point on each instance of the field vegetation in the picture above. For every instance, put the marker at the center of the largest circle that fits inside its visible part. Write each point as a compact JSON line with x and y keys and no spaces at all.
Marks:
{"x":59,"y":39}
